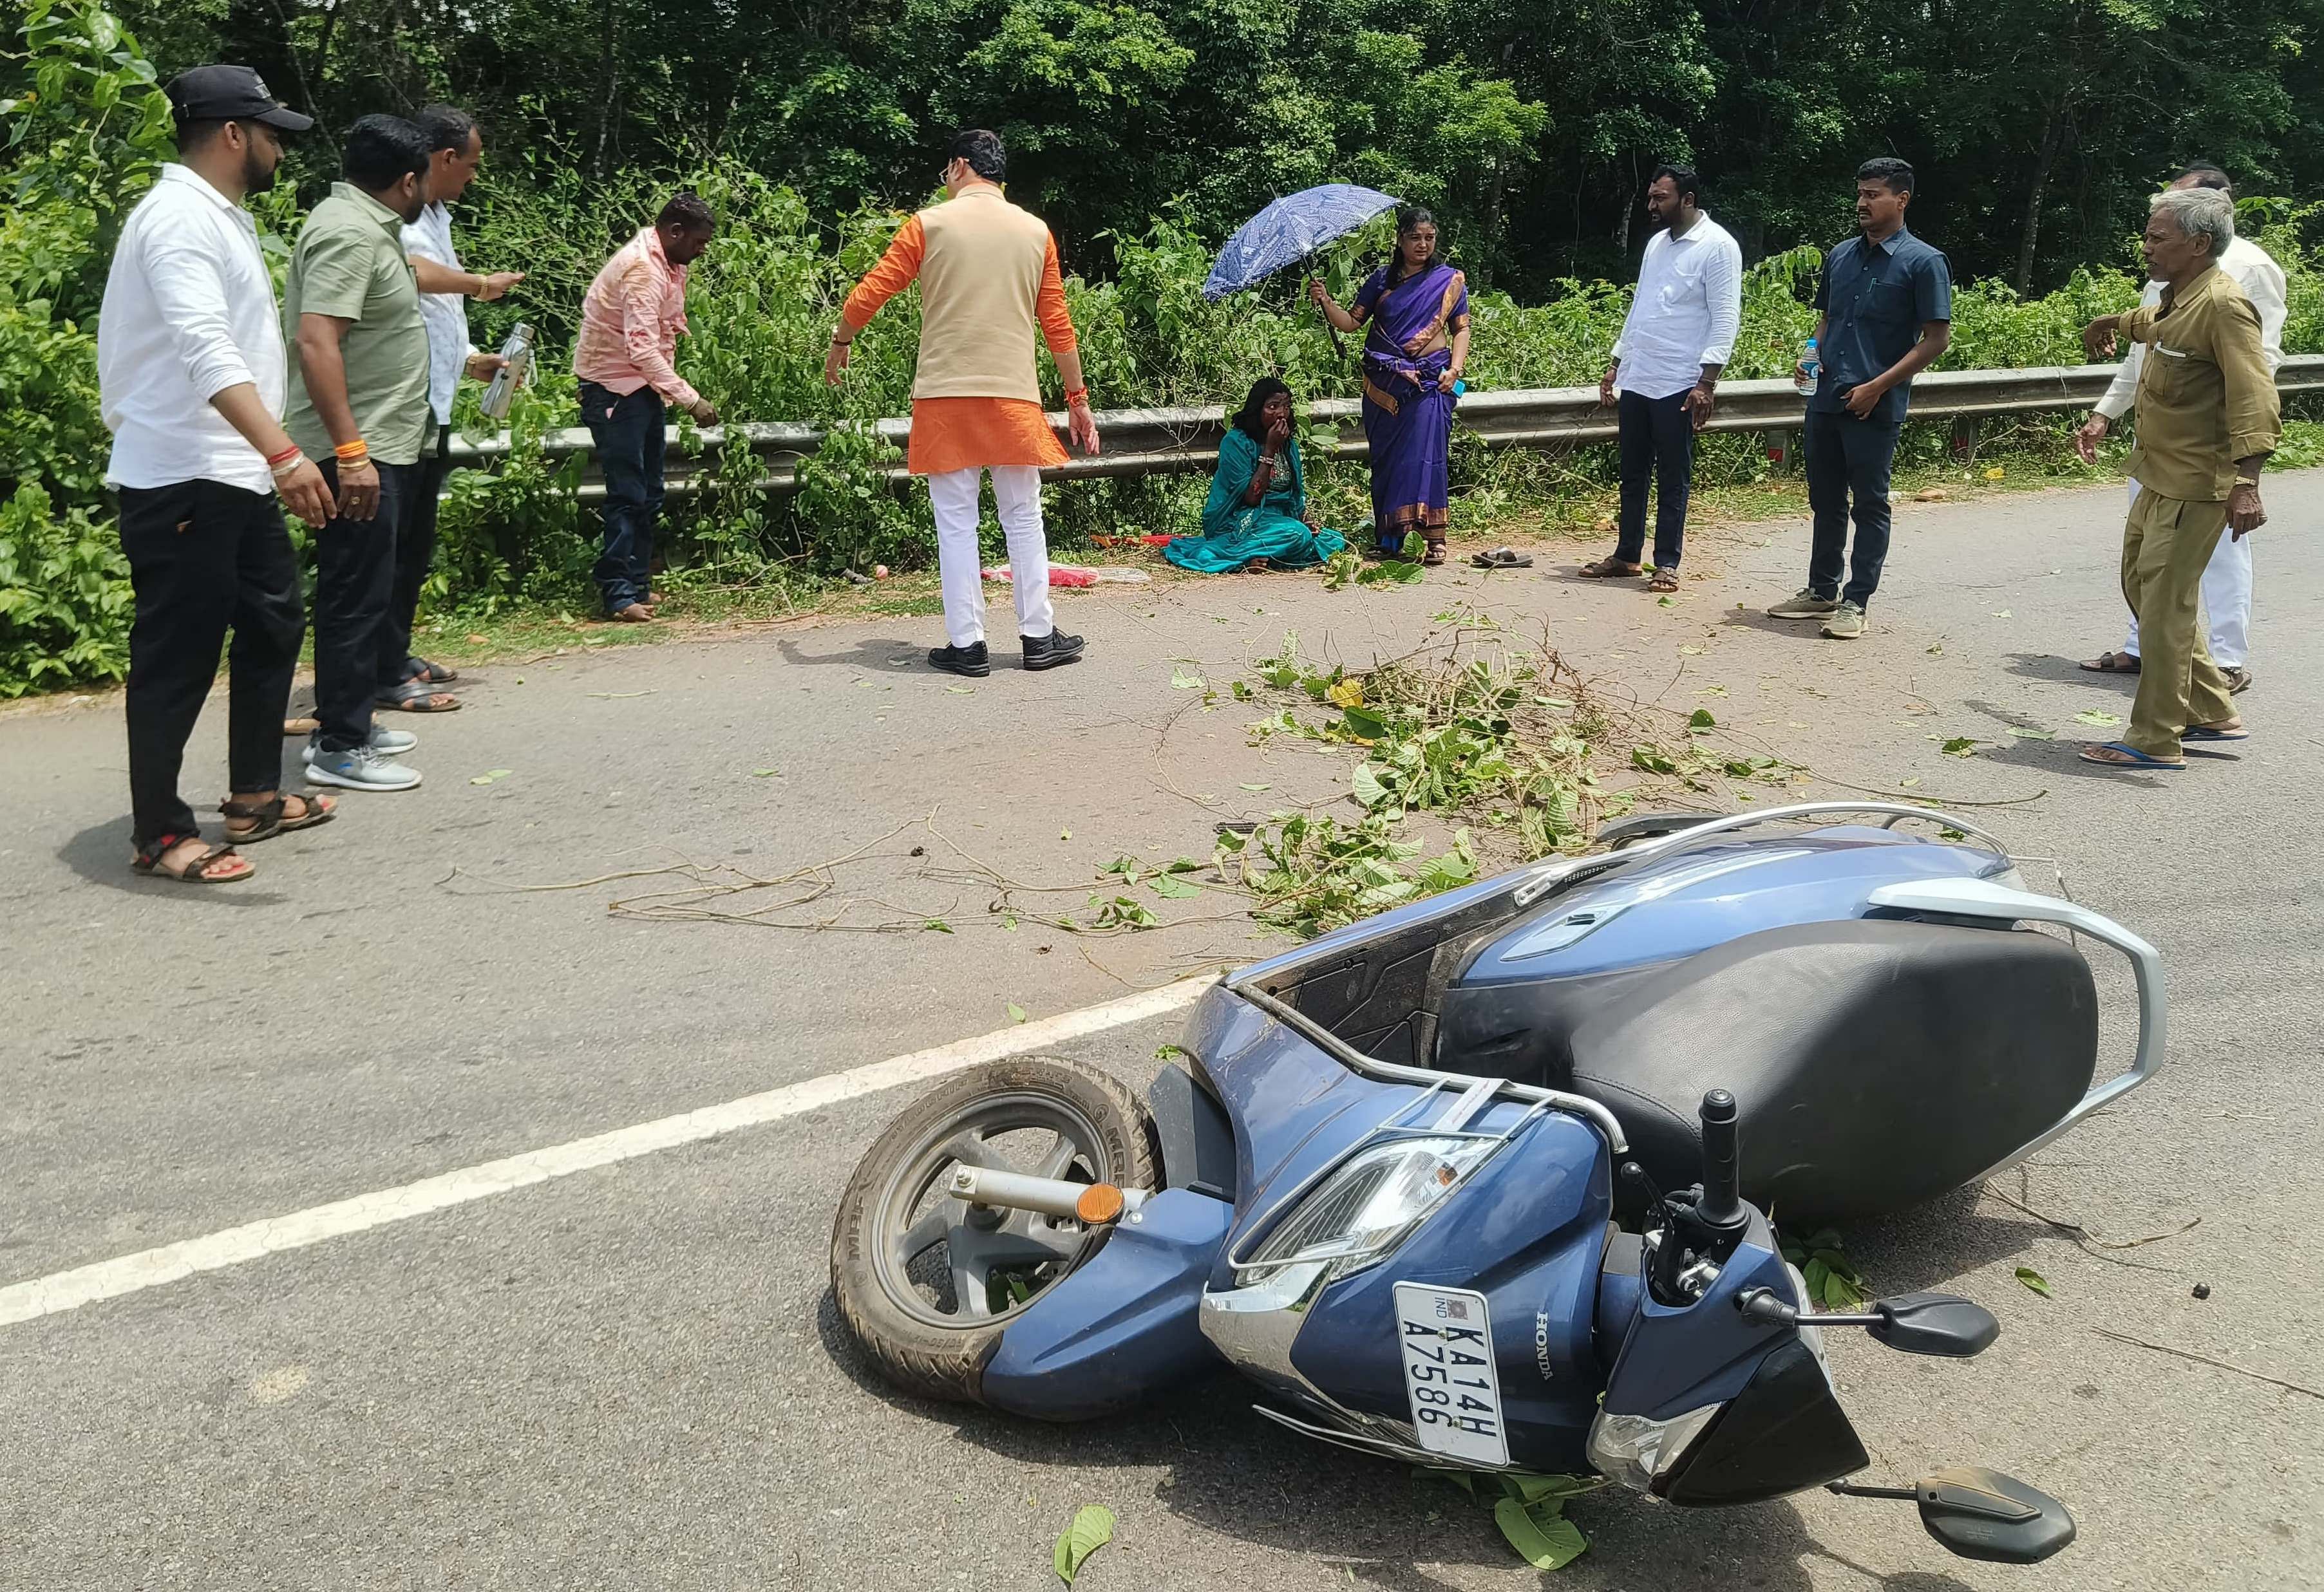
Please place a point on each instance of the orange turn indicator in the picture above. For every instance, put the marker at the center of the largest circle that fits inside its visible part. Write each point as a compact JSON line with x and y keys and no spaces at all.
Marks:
{"x":1098,"y":1204}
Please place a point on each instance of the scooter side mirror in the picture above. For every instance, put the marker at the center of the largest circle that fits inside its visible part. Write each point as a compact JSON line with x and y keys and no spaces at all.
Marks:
{"x":1979,"y":1513}
{"x":1933,"y":1323}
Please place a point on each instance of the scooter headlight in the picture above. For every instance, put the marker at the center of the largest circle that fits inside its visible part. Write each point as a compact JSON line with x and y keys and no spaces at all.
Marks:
{"x":1368,"y":1205}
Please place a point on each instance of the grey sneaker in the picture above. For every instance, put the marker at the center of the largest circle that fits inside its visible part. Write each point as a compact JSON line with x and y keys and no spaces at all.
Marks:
{"x":386,"y":742}
{"x":1803,"y":605}
{"x":360,"y":768}
{"x":1846,"y":623}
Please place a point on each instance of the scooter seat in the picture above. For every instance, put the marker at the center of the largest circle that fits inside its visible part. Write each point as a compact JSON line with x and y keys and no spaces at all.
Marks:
{"x":1877,"y":1063}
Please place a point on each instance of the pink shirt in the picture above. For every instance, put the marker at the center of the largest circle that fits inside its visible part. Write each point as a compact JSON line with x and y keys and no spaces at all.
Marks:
{"x":629,"y":322}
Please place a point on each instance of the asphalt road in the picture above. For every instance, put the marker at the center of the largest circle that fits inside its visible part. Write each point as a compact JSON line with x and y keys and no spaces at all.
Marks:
{"x":631,"y":1376}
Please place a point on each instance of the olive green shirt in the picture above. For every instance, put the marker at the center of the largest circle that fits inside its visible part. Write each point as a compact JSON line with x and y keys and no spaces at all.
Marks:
{"x":2206,"y":398}
{"x":350,"y":264}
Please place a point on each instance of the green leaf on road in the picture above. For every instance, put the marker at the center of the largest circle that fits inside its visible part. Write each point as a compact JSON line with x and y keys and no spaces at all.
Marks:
{"x":962,"y":690}
{"x":489,"y":775}
{"x":938,"y":925}
{"x":1017,"y":1014}
{"x":1185,"y":680}
{"x":1700,"y":719}
{"x":1960,"y":746}
{"x":1242,"y":691}
{"x":1254,"y":787}
{"x":763,"y":773}
{"x":2097,"y":716}
{"x":2036,"y":1281}
{"x":1528,"y":1488}
{"x":1540,"y":1533}
{"x":1165,"y":1053}
{"x":1172,"y":888}
{"x":1091,"y":1530}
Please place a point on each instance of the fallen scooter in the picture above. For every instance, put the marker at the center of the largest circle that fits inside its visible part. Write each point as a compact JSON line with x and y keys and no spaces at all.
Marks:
{"x":1384,"y":1186}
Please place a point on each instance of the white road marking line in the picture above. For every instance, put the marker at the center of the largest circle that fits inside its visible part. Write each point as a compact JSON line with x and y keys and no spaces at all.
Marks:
{"x":150,"y":1268}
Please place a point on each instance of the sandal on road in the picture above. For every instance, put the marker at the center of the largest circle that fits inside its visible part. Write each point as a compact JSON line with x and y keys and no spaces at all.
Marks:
{"x":1502,"y":558}
{"x":202,"y":868}
{"x":417,"y":696}
{"x":1434,"y":557}
{"x":435,"y":673}
{"x":2225,"y":730}
{"x":270,"y":818}
{"x":1610,"y":569}
{"x":2115,"y":754}
{"x":1664,"y":580}
{"x":2113,"y":663}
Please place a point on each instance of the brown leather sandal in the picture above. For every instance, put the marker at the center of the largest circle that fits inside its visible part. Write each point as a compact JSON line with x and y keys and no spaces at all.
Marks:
{"x":1664,"y":580}
{"x":267,"y":819}
{"x":197,"y":871}
{"x":2113,"y":663}
{"x":1609,"y":568}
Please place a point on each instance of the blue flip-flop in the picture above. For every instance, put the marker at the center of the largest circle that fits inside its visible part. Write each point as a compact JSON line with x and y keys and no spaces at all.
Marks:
{"x":2136,"y":759}
{"x":2202,"y":733}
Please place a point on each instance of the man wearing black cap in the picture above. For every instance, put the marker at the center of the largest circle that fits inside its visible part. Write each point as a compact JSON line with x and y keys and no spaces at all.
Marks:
{"x":192,"y":375}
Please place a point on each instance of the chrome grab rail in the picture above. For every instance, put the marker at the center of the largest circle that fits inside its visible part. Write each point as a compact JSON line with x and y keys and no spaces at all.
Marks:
{"x":1983,"y":898}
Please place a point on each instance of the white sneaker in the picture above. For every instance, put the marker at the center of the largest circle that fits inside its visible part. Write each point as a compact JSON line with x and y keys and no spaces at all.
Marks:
{"x":360,"y":768}
{"x":387,"y":742}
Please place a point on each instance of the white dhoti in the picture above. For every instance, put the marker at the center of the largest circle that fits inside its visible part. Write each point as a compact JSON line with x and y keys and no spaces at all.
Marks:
{"x":2227,"y":601}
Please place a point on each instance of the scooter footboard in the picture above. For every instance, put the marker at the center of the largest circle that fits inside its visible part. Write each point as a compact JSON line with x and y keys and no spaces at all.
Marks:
{"x":1124,"y":1326}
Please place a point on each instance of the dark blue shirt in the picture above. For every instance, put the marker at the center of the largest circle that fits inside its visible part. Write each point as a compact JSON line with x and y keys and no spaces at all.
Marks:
{"x":1876,"y":297}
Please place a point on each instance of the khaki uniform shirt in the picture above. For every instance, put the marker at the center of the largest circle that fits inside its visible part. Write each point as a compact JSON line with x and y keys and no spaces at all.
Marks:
{"x":350,"y":263}
{"x":2206,"y":398}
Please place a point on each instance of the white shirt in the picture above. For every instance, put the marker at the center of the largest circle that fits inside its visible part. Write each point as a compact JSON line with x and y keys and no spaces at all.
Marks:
{"x":2262,"y":281}
{"x":1686,"y":312}
{"x":447,"y":314}
{"x":189,"y":312}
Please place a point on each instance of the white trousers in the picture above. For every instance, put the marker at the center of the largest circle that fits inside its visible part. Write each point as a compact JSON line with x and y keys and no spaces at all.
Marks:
{"x":1017,"y":496}
{"x":2227,"y":601}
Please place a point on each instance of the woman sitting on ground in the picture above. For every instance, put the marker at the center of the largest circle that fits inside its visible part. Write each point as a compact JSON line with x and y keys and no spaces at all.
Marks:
{"x":1256,"y":514}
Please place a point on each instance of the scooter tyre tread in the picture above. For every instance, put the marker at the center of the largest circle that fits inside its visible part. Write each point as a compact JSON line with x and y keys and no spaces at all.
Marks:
{"x":947,"y":1364}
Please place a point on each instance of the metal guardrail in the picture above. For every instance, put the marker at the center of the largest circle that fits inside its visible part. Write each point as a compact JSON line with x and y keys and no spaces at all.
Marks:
{"x":1169,"y":441}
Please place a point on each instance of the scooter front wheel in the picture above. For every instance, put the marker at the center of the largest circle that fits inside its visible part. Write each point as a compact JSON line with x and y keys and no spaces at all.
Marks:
{"x":926,"y":1283}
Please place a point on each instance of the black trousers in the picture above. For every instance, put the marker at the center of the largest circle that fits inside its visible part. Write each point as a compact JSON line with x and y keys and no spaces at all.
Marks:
{"x":415,"y":551}
{"x":354,"y":589}
{"x":206,"y":558}
{"x":1848,"y":462}
{"x":1658,"y":440}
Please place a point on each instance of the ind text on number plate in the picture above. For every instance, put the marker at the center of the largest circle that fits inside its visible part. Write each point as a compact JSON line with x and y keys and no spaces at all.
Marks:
{"x":1447,"y":1342}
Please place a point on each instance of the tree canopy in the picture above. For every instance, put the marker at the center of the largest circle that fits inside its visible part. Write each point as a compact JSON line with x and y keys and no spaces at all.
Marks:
{"x":2037,"y":127}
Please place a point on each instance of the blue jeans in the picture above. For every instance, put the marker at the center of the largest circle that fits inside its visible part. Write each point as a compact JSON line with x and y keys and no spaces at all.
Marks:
{"x":1848,"y":459}
{"x":628,"y":429}
{"x":1658,"y":449}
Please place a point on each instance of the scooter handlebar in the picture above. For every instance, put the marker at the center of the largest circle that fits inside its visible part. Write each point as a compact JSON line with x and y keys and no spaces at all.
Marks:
{"x":1723,"y":1178}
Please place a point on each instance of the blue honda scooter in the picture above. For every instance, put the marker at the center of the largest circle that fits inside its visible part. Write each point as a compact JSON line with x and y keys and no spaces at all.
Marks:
{"x":1482,"y":1183}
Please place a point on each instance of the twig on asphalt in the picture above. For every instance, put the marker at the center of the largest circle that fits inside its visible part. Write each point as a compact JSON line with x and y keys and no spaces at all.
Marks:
{"x":2204,"y":1359}
{"x":2090,"y":1243}
{"x":1921,"y":795}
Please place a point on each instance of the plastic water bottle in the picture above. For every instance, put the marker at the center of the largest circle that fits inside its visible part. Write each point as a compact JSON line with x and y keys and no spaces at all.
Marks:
{"x":1810,"y":375}
{"x":518,"y":352}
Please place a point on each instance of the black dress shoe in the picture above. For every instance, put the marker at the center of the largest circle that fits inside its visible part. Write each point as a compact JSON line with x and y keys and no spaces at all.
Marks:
{"x":974,"y":661}
{"x":1047,"y":652}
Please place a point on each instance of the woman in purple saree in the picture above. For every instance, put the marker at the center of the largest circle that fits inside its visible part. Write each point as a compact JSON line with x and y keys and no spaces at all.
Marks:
{"x":1417,"y":307}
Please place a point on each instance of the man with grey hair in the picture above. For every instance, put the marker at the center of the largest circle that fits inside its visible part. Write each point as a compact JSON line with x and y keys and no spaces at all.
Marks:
{"x":2207,"y":421}
{"x":2227,"y":578}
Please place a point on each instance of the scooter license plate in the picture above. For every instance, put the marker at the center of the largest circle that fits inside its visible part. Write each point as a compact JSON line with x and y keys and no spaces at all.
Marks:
{"x":1446,"y":1339}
